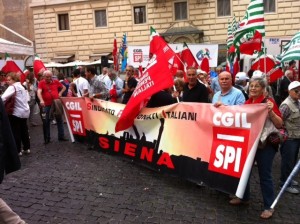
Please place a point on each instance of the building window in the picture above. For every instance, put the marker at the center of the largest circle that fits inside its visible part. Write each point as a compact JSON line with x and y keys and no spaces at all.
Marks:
{"x":63,"y":22}
{"x":223,"y":7}
{"x":139,"y":14}
{"x":180,"y":10}
{"x":100,"y":18}
{"x":269,"y":6}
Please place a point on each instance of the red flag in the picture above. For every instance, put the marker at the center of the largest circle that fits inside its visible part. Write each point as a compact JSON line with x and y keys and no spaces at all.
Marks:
{"x":38,"y":66}
{"x":113,"y":93}
{"x":188,"y":58}
{"x":236,"y":65}
{"x":157,"y":43}
{"x":275,"y":74}
{"x":260,"y":62}
{"x":140,"y":70}
{"x":157,"y":76}
{"x":11,"y":66}
{"x":205,"y":65}
{"x":177,"y":64}
{"x":115,"y":55}
{"x":251,"y":45}
{"x":228,"y":66}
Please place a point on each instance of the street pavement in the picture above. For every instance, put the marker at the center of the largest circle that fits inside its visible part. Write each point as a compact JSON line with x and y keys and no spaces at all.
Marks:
{"x":63,"y":182}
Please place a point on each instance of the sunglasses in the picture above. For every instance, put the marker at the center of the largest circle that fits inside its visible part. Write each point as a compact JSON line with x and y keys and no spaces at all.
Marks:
{"x":296,"y":91}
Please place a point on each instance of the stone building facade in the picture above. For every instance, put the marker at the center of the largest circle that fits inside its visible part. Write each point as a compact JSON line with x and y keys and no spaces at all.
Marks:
{"x":84,"y":29}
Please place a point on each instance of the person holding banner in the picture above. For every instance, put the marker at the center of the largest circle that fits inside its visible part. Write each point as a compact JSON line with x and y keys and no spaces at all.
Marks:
{"x":266,"y":151}
{"x":111,"y":81}
{"x":129,"y":84}
{"x":97,"y":88}
{"x":228,"y":95}
{"x":48,"y":91}
{"x":194,"y":91}
{"x":289,"y":150}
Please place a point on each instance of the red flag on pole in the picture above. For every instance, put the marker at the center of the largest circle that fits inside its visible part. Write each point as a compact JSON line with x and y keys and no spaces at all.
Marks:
{"x":38,"y":66}
{"x":188,"y":58}
{"x":157,"y":76}
{"x":205,"y":65}
{"x":11,"y":66}
{"x":115,"y":55}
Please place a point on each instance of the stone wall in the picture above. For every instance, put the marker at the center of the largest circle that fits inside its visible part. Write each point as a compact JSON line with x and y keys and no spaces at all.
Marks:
{"x":84,"y":39}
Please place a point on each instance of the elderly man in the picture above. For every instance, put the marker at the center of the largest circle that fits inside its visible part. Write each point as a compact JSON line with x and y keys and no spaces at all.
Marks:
{"x":104,"y":74}
{"x":48,"y":91}
{"x":114,"y":84}
{"x":286,"y":80}
{"x":289,"y":150}
{"x":228,"y":95}
{"x":241,"y":80}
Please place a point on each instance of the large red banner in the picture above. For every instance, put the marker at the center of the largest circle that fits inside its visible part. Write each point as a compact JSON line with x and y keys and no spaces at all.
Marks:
{"x":196,"y":141}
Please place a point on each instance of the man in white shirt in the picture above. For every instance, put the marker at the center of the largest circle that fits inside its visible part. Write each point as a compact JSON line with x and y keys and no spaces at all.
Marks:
{"x":82,"y":84}
{"x":102,"y":76}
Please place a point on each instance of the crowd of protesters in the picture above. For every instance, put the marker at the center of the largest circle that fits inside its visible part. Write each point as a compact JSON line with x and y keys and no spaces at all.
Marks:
{"x":282,"y":98}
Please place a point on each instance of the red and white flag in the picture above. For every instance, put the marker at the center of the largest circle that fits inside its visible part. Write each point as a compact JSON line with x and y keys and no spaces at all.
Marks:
{"x":188,"y":58}
{"x":252,"y":44}
{"x":157,"y":76}
{"x":11,"y":66}
{"x":38,"y":66}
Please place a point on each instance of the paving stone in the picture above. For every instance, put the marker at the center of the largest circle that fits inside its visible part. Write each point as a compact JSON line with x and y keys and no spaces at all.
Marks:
{"x":63,"y":183}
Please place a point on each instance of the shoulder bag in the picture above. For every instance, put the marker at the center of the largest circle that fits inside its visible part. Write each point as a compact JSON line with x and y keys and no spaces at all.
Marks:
{"x":10,"y":103}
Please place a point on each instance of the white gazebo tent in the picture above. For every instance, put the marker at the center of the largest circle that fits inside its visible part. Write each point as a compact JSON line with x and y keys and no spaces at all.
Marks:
{"x":15,"y":48}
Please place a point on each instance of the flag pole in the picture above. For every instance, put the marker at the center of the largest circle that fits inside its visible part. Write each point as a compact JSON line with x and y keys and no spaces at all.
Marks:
{"x":292,"y":174}
{"x":174,"y":88}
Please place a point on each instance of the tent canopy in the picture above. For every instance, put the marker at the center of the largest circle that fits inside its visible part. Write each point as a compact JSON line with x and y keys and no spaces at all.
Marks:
{"x":15,"y":48}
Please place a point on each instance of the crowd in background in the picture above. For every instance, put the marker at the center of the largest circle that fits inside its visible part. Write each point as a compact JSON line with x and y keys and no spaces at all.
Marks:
{"x":41,"y":95}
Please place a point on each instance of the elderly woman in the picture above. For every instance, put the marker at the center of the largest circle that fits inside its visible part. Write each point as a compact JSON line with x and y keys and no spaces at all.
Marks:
{"x":18,"y":119}
{"x":266,"y":152}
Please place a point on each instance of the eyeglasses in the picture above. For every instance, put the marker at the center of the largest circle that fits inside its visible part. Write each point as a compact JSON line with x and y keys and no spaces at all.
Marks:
{"x":296,"y":91}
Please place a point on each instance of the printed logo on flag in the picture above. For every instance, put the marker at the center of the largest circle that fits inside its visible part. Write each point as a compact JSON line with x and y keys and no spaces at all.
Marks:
{"x":229,"y":150}
{"x":137,"y":55}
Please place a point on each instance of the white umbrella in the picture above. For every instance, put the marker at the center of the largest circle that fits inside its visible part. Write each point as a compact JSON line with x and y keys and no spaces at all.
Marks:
{"x":98,"y":62}
{"x":53,"y":65}
{"x":76,"y":63}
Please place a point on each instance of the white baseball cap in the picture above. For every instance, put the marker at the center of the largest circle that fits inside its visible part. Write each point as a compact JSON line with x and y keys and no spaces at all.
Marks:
{"x":257,"y":74}
{"x":293,"y":85}
{"x":241,"y":76}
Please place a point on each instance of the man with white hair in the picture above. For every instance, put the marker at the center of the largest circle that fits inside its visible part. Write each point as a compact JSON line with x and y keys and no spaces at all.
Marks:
{"x":48,"y":91}
{"x":289,"y":150}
